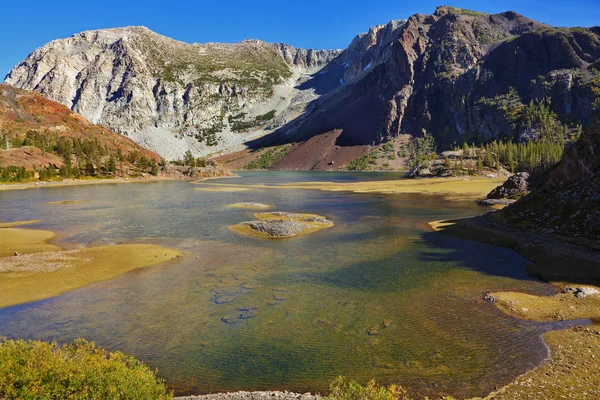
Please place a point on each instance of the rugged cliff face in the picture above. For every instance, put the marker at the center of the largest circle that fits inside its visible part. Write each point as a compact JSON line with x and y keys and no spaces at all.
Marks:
{"x":457,"y":74}
{"x":568,"y":201}
{"x":169,"y":95}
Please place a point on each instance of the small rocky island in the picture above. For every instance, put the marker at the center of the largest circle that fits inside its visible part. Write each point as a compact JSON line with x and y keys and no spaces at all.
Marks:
{"x":281,"y":225}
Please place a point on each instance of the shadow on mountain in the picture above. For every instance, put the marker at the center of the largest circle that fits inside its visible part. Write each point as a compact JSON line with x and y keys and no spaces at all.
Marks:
{"x":326,"y":80}
{"x":356,"y":110}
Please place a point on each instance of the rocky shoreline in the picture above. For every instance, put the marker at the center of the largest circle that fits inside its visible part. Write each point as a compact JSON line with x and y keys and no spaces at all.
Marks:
{"x":253,"y":396}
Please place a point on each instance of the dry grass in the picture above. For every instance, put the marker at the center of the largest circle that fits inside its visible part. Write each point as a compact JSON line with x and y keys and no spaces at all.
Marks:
{"x":572,"y":373}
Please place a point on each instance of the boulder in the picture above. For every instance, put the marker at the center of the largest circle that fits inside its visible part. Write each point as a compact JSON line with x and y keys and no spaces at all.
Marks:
{"x":581,"y":292}
{"x":515,"y":186}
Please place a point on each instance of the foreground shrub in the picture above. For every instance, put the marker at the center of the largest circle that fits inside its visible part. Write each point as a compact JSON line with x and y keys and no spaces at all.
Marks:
{"x":41,"y":370}
{"x":347,"y":389}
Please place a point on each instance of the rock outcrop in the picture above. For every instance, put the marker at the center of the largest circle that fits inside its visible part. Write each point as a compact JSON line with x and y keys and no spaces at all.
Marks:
{"x":567,"y":201}
{"x":515,"y":186}
{"x":280,"y":225}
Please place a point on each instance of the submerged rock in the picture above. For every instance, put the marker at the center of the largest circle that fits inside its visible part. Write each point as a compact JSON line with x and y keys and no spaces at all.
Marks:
{"x":239,"y":315}
{"x":489,"y":298}
{"x":495,"y":202}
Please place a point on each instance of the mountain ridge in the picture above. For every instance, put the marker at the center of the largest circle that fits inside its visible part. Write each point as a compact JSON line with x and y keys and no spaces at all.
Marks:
{"x":456,"y":74}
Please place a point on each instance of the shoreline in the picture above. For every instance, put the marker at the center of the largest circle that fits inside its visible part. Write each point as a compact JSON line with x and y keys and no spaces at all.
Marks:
{"x":258,"y":395}
{"x":566,"y":370}
{"x":81,"y":182}
{"x":85,"y":182}
{"x":562,"y":345}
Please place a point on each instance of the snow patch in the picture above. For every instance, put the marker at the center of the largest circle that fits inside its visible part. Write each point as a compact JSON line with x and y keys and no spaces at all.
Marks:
{"x":367,"y":67}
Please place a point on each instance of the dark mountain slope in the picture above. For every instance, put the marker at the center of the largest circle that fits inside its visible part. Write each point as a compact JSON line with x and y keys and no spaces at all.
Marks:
{"x":458,"y":75}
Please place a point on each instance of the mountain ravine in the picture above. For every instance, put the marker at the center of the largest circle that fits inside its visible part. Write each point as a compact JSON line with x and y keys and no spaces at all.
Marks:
{"x":456,"y":74}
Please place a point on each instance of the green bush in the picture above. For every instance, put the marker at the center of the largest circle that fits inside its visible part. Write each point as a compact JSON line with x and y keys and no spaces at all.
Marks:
{"x":347,"y":389}
{"x":80,"y":370}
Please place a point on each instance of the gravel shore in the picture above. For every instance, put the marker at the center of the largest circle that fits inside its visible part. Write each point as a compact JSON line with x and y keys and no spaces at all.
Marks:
{"x":252,"y":396}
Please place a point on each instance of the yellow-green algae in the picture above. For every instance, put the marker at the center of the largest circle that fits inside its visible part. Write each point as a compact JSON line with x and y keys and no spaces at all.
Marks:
{"x":18,"y":223}
{"x":250,"y":206}
{"x":452,"y":188}
{"x":223,"y":189}
{"x":32,"y":269}
{"x":67,"y":202}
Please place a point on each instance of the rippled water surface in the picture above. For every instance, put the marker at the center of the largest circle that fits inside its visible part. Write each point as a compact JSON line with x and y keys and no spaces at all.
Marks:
{"x":308,"y":302}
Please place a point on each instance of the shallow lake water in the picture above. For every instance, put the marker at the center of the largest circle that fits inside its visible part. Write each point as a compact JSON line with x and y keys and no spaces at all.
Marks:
{"x":314,"y":306}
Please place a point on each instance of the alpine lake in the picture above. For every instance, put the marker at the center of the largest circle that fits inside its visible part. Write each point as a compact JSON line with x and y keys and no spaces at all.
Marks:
{"x":378,"y":295}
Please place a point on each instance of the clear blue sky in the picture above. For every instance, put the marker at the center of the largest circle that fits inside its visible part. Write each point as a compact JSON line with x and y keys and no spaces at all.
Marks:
{"x":319,"y":24}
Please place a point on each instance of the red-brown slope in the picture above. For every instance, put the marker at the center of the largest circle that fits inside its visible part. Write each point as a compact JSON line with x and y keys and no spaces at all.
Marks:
{"x":22,"y":111}
{"x":30,"y":158}
{"x":320,"y":153}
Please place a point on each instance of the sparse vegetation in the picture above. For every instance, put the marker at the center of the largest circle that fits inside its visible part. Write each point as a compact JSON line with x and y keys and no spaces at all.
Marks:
{"x":269,"y":158}
{"x":366,"y":162}
{"x":421,"y":149}
{"x":238,"y":123}
{"x":15,"y":174}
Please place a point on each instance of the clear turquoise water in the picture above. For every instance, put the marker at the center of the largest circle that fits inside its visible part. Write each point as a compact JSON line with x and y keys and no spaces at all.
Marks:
{"x":314,"y":297}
